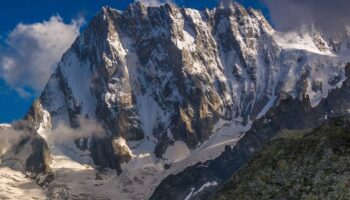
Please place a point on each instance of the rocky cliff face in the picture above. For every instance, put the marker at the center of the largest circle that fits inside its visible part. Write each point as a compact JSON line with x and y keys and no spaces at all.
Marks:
{"x":297,"y":165}
{"x":281,"y":117}
{"x":160,"y":79}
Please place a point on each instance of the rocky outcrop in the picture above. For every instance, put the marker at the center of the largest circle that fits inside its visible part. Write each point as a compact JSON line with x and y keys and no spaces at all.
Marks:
{"x":297,"y":165}
{"x":30,"y":154}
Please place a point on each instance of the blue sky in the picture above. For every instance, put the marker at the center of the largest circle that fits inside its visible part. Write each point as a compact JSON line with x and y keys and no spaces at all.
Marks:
{"x":12,"y":105}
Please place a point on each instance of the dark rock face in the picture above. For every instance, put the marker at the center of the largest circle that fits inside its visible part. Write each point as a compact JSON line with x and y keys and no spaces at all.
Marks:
{"x":30,"y":155}
{"x":103,"y":154}
{"x":297,"y":165}
{"x":40,"y":158}
{"x":288,"y":114}
{"x":38,"y":163}
{"x":37,"y":156}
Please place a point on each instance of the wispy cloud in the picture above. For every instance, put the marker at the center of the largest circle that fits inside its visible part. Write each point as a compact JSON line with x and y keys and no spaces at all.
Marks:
{"x":155,"y":3}
{"x":9,"y":137}
{"x":32,"y":52}
{"x":87,"y":128}
{"x":328,"y":15}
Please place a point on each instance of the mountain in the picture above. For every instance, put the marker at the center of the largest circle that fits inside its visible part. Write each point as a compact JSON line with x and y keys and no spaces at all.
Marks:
{"x":297,"y":165}
{"x":158,"y":94}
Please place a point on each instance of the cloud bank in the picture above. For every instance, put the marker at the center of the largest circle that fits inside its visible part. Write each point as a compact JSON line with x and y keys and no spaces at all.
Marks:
{"x":327,"y":15}
{"x":32,"y":52}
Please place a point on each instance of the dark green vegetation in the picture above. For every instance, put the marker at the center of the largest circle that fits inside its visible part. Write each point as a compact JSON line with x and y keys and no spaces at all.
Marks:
{"x":297,"y":165}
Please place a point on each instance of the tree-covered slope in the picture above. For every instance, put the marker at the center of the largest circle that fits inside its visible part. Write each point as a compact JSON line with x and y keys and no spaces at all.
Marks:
{"x":297,"y":165}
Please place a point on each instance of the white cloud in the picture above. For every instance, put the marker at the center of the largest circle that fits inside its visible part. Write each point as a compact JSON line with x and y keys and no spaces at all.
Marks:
{"x":87,"y":128}
{"x":32,"y":52}
{"x":8,"y":138}
{"x":11,"y":135}
{"x":155,"y":3}
{"x":327,"y":15}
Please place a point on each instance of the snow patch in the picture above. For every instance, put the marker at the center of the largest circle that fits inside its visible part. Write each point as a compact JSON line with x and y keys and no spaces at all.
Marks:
{"x":204,"y":186}
{"x":150,"y":114}
{"x":300,"y":41}
{"x":177,"y":152}
{"x":5,"y":126}
{"x":44,"y":129}
{"x":16,"y":185}
{"x":267,"y":107}
{"x":79,"y":77}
